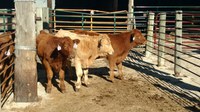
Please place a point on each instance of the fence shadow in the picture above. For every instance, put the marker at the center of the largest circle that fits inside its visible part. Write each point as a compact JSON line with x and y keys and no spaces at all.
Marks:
{"x":174,"y":87}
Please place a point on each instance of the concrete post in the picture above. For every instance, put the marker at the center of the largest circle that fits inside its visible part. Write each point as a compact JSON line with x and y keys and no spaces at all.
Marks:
{"x":149,"y":46}
{"x":161,"y":39}
{"x":178,"y":43}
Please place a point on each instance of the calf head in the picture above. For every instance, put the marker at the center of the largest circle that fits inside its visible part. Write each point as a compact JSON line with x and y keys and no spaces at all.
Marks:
{"x":66,"y":46}
{"x":104,"y":44}
{"x":137,"y":38}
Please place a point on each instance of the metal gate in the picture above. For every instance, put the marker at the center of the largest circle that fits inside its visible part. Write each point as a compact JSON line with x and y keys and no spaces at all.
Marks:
{"x":93,"y":20}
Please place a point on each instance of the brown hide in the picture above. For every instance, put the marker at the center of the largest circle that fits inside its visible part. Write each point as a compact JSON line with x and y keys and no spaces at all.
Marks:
{"x":54,"y":57}
{"x":122,"y":43}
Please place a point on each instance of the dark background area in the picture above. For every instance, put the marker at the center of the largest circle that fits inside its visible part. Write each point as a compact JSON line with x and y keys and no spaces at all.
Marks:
{"x":108,"y":5}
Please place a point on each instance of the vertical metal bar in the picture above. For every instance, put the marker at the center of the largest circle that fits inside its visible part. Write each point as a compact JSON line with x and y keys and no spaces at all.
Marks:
{"x":9,"y":20}
{"x":91,"y":20}
{"x":50,"y":20}
{"x":54,"y":19}
{"x":45,"y":17}
{"x":39,"y":24}
{"x":149,"y":46}
{"x":161,"y":39}
{"x":114,"y":22}
{"x":82,"y":23}
{"x":134,"y":22}
{"x":178,"y":43}
{"x":4,"y":23}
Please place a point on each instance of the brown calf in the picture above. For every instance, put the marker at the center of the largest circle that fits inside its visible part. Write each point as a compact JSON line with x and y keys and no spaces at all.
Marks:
{"x":54,"y":53}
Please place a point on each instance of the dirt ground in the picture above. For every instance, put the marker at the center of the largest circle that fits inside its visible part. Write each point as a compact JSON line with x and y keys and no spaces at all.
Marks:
{"x":134,"y":94}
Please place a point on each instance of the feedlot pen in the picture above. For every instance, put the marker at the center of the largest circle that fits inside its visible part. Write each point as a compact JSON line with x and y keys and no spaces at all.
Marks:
{"x":146,"y":87}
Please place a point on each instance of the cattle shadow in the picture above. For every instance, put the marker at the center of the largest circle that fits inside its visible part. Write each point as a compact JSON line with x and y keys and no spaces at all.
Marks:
{"x":42,"y":77}
{"x":102,"y":72}
{"x":162,"y":80}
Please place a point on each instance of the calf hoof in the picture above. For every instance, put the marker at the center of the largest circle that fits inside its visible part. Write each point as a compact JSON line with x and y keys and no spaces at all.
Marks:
{"x":77,"y":89}
{"x":48,"y":90}
{"x":63,"y":90}
{"x":78,"y":86}
{"x":111,"y":80}
{"x":120,"y":77}
{"x":86,"y":83}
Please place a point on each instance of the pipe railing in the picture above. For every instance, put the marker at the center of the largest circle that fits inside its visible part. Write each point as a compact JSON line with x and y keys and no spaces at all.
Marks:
{"x":175,"y":45}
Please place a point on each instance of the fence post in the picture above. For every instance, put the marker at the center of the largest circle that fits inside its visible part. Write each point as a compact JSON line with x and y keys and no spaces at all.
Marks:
{"x":39,"y":24}
{"x":45,"y":17}
{"x":150,"y":43}
{"x":178,"y":43}
{"x":130,"y":14}
{"x":161,"y":39}
{"x":91,"y":20}
{"x":25,"y":86}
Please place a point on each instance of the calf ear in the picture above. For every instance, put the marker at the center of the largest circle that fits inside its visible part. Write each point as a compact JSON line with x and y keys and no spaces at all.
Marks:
{"x":75,"y":41}
{"x":132,"y":37}
{"x":99,"y":43}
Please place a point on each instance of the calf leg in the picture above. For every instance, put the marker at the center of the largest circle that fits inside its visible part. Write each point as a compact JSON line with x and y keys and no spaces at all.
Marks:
{"x":62,"y":77}
{"x":79,"y":74}
{"x":111,"y":65}
{"x":121,"y":75}
{"x":85,"y":72}
{"x":49,"y":75}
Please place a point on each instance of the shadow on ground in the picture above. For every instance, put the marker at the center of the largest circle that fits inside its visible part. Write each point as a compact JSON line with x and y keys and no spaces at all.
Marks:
{"x":177,"y":90}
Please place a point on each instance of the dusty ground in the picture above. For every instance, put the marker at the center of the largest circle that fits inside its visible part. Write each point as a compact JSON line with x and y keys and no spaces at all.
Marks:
{"x":134,"y":94}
